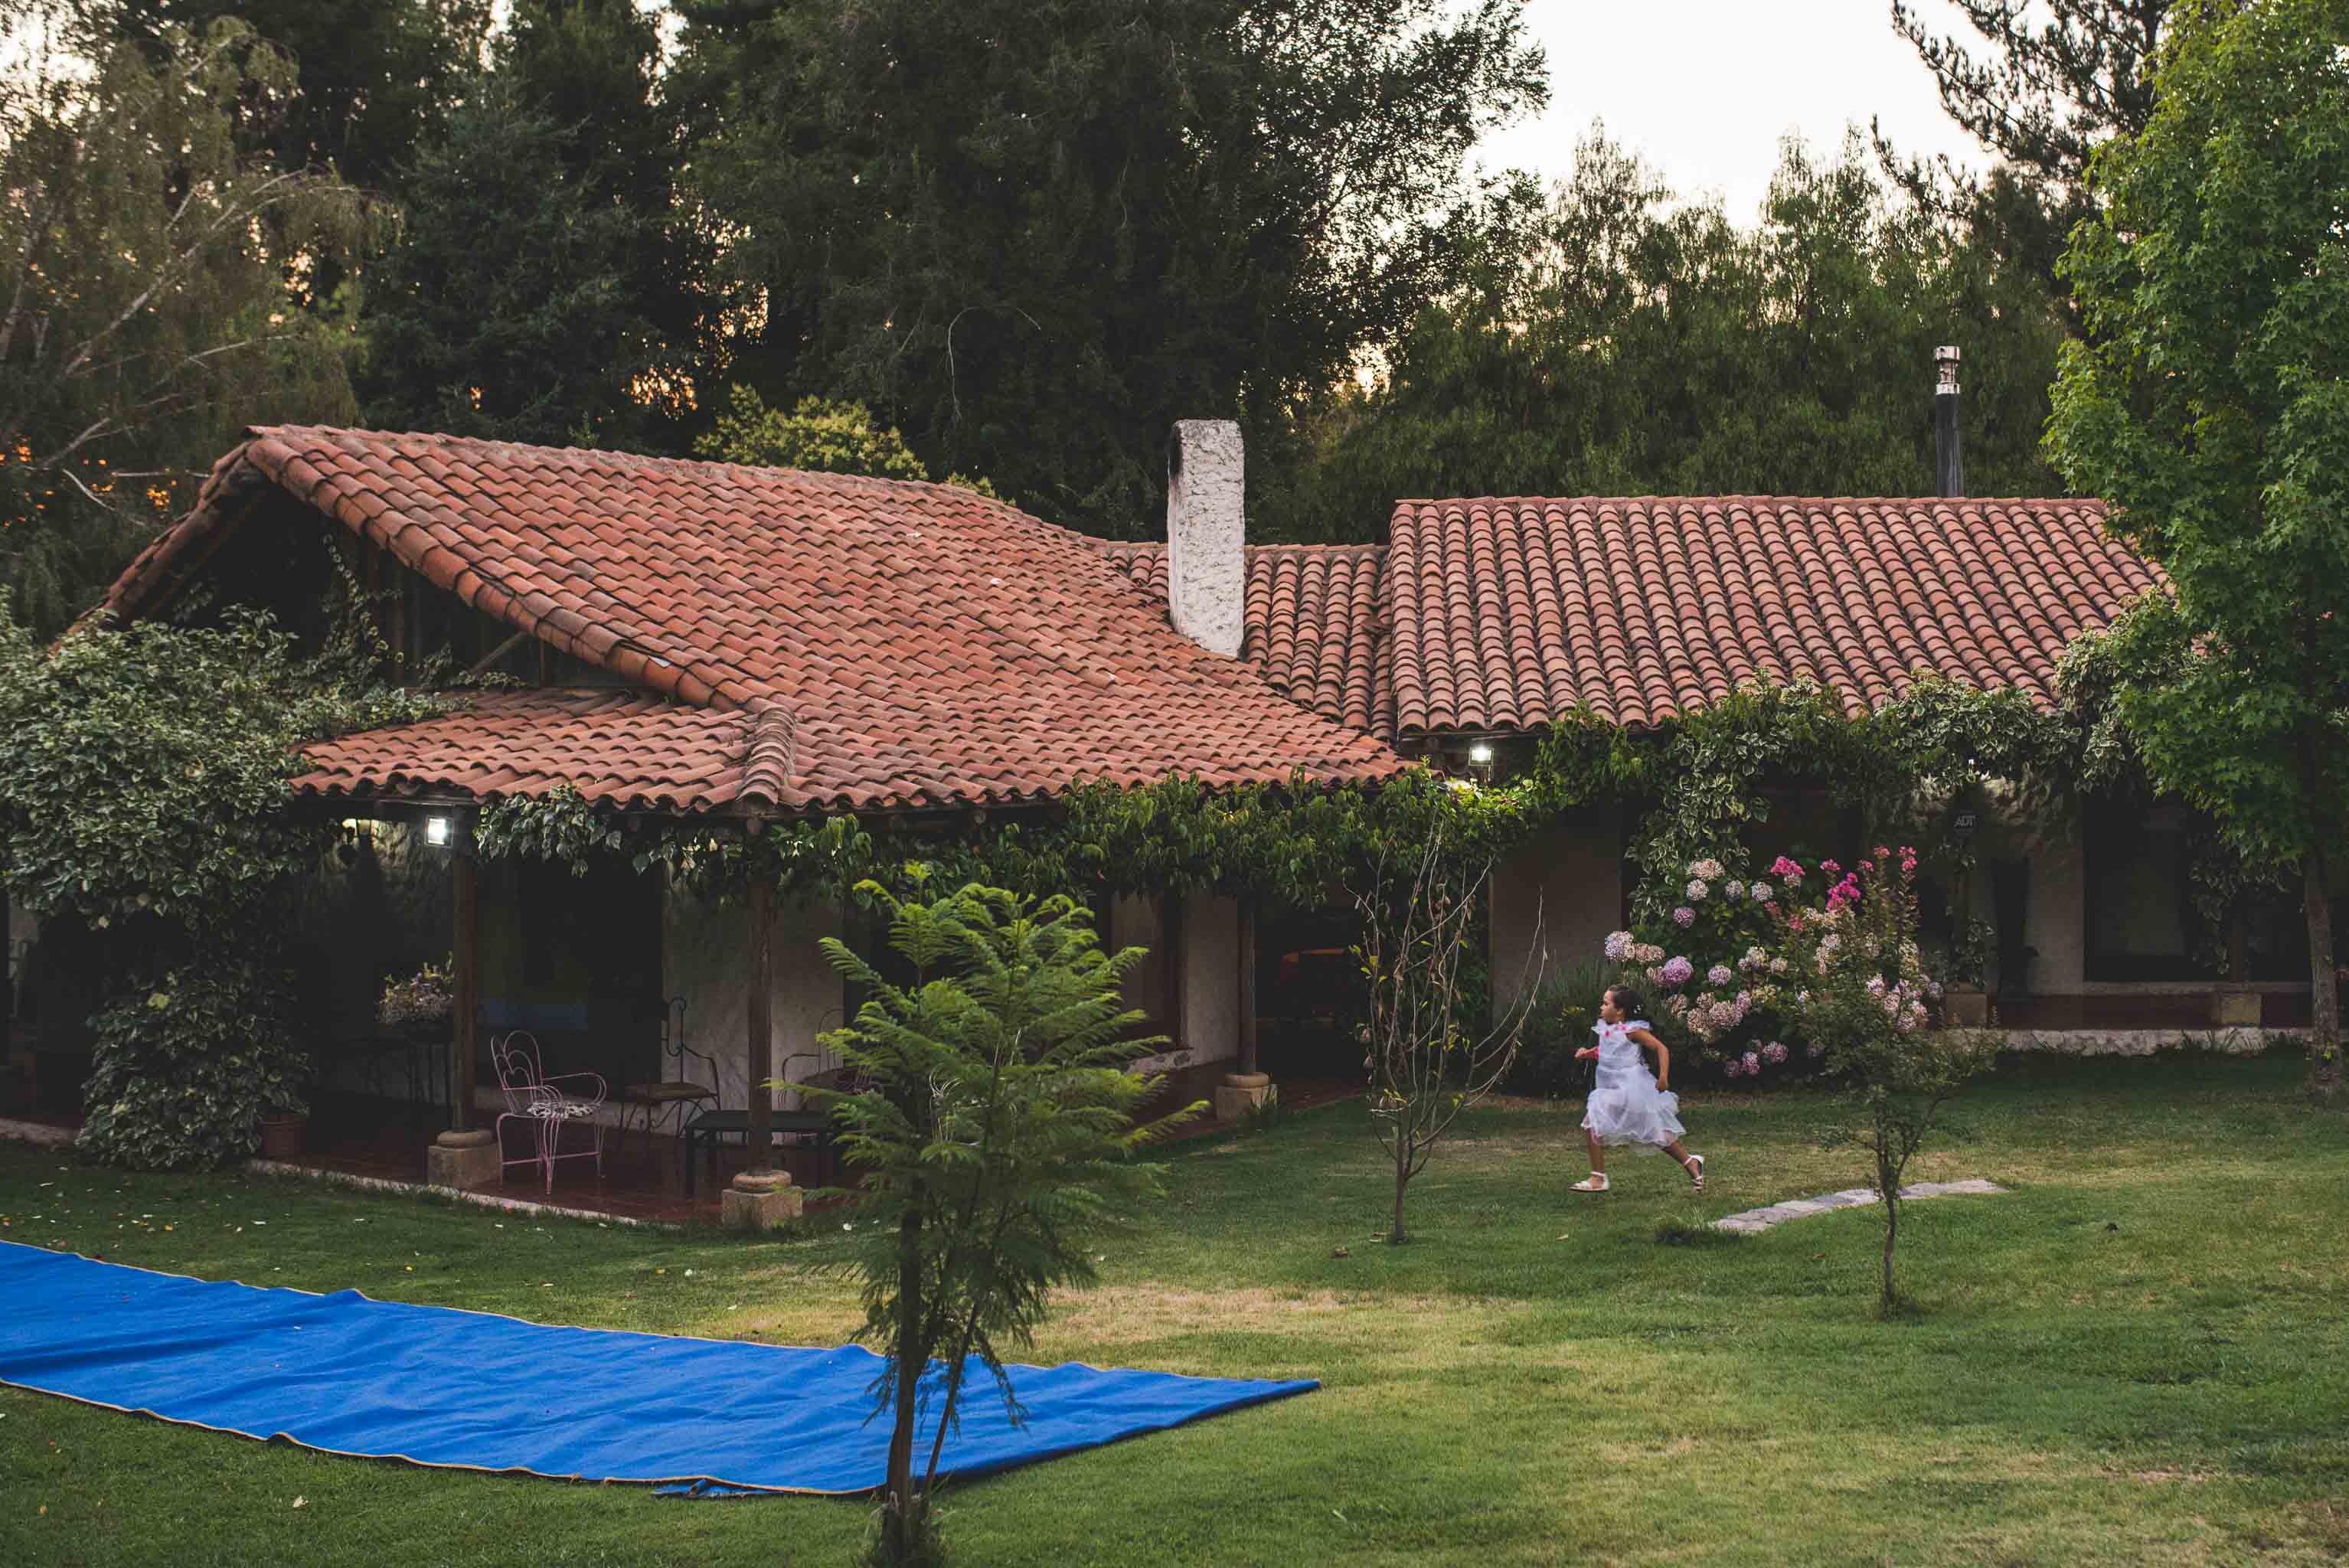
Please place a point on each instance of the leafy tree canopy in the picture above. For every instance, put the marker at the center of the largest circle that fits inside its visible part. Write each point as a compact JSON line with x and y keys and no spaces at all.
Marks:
{"x":1627,"y":344}
{"x":822,"y":434}
{"x":1033,"y":237}
{"x":547,"y":285}
{"x":144,"y":267}
{"x":2211,"y":408}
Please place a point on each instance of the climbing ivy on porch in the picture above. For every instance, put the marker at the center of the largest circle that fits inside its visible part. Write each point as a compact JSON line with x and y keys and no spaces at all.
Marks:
{"x":143,"y":792}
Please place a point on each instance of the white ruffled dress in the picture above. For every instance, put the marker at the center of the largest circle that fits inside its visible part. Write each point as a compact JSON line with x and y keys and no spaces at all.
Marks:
{"x":1626,"y":1108}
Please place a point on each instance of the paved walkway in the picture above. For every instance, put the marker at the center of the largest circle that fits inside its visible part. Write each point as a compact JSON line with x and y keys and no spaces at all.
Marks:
{"x":1757,"y":1220}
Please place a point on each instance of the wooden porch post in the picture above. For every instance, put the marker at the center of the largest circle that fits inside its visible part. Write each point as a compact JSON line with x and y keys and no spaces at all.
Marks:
{"x":1247,"y":984}
{"x":759,"y":1060}
{"x":464,"y":895}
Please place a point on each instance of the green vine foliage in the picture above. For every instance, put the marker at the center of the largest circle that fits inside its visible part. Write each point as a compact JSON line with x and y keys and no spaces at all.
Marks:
{"x":183,"y":1072}
{"x":1705,"y":774}
{"x":143,"y":777}
{"x":1300,"y":842}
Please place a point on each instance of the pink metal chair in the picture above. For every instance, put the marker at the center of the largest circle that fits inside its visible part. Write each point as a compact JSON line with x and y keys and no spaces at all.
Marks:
{"x":544,"y":1105}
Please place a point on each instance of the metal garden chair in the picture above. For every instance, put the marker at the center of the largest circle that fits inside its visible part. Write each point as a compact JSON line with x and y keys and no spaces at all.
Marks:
{"x":678,"y":1096}
{"x":544,"y":1105}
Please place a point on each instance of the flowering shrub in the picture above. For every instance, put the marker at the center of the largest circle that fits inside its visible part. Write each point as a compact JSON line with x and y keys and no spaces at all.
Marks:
{"x":1747,"y":964}
{"x":1865,"y":1001}
{"x":424,"y":997}
{"x":1709,"y":974}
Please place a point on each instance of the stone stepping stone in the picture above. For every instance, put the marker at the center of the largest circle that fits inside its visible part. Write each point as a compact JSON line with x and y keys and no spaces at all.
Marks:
{"x":1754,"y":1221}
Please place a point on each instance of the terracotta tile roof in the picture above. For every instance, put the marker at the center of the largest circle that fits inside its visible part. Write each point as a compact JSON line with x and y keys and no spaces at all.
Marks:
{"x":1506,"y":614}
{"x":903,"y":645}
{"x":1500,"y":615}
{"x":620,"y":747}
{"x":1312,"y":624}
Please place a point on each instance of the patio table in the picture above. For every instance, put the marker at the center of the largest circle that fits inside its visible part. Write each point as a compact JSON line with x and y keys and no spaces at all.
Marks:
{"x":704,"y":1132}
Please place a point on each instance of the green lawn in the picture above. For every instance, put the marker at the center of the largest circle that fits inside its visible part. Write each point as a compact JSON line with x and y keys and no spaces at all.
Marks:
{"x":2141,"y":1355}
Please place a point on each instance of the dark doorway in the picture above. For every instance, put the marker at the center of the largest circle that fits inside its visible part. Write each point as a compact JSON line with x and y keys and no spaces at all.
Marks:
{"x":2010,"y":900}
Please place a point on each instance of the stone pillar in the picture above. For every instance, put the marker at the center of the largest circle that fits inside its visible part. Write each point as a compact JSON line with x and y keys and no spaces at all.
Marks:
{"x":759,"y":1200}
{"x":464,"y":1159}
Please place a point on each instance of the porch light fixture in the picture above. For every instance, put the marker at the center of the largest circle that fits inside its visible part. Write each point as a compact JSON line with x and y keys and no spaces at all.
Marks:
{"x":436,"y":831}
{"x":1480,"y":759}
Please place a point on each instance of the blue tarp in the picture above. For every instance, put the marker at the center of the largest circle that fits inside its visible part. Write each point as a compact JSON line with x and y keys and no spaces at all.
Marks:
{"x":436,"y":1386}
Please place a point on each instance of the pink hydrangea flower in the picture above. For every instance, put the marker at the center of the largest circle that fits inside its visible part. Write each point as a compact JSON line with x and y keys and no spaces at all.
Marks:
{"x":1774,"y":1053}
{"x":1719,"y":974}
{"x":1787,"y":871}
{"x":1676,"y":972}
{"x":1619,"y":946}
{"x":1696,"y":890}
{"x":1829,"y":868}
{"x":1684,"y":917}
{"x":1753,"y":1064}
{"x":1733,"y":1067}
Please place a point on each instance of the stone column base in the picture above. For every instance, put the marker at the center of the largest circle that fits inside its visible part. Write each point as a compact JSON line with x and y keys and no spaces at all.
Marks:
{"x":1240,"y":1093}
{"x":2235,"y":1009}
{"x":463,"y":1158}
{"x":759,"y":1200}
{"x":1967,"y":1009}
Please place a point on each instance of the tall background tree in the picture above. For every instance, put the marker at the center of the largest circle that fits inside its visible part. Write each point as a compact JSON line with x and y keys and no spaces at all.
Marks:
{"x":1031,"y":237}
{"x":1623,"y":342}
{"x":370,"y":83}
{"x":147,"y":303}
{"x":548,"y":286}
{"x":2043,"y":85}
{"x":2210,"y":406}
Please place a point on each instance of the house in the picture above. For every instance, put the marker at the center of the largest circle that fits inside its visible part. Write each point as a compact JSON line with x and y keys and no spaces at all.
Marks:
{"x":731,"y":645}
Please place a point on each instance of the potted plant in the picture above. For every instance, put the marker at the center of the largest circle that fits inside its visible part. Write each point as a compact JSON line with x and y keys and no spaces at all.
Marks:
{"x":419,"y":1005}
{"x":282,"y":1126}
{"x":1965,"y":1002}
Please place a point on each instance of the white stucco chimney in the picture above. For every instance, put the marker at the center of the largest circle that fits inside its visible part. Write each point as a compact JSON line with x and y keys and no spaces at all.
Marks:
{"x":1206,"y":535}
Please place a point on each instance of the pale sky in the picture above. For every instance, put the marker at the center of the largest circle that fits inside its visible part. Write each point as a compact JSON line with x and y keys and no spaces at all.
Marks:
{"x":1704,"y":89}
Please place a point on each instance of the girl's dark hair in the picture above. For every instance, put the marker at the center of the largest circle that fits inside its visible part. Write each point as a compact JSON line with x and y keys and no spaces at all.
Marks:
{"x":1626,"y":999}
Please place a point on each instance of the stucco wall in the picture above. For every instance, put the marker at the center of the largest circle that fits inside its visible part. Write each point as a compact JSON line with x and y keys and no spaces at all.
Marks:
{"x":1211,"y":980}
{"x":1570,"y":879}
{"x":2055,"y":916}
{"x":703,"y":947}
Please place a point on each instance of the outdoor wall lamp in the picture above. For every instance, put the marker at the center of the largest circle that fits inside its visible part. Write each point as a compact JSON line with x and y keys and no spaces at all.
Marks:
{"x":437,"y":831}
{"x":1480,"y":757}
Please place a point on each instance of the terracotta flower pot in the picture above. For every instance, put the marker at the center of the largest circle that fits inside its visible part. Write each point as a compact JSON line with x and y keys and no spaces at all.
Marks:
{"x":281,"y":1133}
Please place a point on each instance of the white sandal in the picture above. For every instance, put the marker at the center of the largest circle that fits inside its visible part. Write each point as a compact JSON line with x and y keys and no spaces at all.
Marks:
{"x":1695,"y":1169}
{"x":1594,"y":1183}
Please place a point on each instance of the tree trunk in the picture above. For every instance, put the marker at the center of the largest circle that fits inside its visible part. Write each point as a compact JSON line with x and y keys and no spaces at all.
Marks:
{"x":2322,"y":1080}
{"x":900,"y":1527}
{"x":1395,"y":1236}
{"x":1887,"y":1183}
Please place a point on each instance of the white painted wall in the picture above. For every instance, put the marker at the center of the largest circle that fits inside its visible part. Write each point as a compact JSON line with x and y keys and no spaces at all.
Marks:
{"x":1570,"y":879}
{"x":2055,"y":916}
{"x":703,"y":948}
{"x":1211,"y":979}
